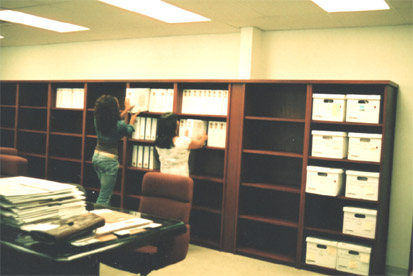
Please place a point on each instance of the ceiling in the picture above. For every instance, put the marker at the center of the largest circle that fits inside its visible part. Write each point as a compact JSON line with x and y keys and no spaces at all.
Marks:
{"x":227,"y":16}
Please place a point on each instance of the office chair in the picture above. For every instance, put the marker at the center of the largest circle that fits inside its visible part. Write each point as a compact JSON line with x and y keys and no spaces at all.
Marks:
{"x":11,"y":164}
{"x":163,"y":195}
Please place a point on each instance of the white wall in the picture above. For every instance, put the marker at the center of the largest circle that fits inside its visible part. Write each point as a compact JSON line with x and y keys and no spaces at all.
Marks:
{"x":183,"y":57}
{"x":384,"y":53}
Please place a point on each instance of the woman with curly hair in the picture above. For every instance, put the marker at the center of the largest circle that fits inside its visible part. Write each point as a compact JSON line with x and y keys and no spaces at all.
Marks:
{"x":110,"y":128}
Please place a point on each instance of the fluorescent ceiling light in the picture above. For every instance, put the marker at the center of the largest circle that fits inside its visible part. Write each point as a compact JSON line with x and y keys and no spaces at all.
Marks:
{"x":351,"y":5}
{"x":1,"y":36}
{"x":157,"y":9}
{"x":39,"y":22}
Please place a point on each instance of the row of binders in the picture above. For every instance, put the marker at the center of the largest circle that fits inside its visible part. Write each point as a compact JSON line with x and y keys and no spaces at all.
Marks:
{"x":70,"y":97}
{"x":150,"y":99}
{"x":146,"y":127}
{"x":199,"y":101}
{"x":145,"y":157}
{"x":216,"y":131}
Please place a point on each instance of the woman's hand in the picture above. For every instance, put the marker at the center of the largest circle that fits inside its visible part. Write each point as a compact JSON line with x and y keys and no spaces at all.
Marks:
{"x":133,"y":118}
{"x":199,"y":142}
{"x":128,"y":106}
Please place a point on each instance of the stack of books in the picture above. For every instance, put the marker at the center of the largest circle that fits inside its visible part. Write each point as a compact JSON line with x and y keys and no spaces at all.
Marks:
{"x":27,"y":201}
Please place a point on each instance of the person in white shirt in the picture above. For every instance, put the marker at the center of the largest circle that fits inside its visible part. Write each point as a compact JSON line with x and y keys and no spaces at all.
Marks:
{"x":173,"y":150}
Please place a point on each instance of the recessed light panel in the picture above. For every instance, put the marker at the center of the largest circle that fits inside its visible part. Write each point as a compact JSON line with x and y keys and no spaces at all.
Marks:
{"x":39,"y":22}
{"x":351,"y":5}
{"x":158,"y":9}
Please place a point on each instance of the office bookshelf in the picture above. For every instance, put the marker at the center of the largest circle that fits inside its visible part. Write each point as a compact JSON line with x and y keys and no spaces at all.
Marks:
{"x":249,"y":197}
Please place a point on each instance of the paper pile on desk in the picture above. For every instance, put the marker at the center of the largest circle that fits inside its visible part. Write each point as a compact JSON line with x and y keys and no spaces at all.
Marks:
{"x":26,"y":200}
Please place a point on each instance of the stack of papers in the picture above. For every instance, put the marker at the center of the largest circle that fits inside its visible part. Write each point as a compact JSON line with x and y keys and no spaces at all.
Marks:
{"x":25,"y":201}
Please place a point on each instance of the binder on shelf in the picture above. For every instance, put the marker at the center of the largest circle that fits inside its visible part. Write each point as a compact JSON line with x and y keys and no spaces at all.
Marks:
{"x":148,"y":125}
{"x":136,"y":126}
{"x":134,"y":162}
{"x":78,"y":97}
{"x":142,"y":128}
{"x":70,"y":97}
{"x":216,"y":134}
{"x":154,"y":125}
{"x":139,"y":97}
{"x":145,"y":160}
{"x":196,"y":127}
{"x":140,"y":156}
{"x":154,"y":163}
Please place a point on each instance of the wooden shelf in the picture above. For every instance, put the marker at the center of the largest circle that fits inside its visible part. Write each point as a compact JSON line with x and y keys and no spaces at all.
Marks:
{"x":249,"y":197}
{"x":281,"y":188}
{"x":266,"y":255}
{"x":290,"y":120}
{"x":278,"y":222}
{"x":274,"y":153}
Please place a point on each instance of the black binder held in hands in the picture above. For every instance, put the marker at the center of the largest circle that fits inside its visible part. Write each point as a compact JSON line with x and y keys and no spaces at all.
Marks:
{"x":69,"y":229}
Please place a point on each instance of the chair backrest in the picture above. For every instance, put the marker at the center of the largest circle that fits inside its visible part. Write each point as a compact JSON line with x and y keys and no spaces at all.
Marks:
{"x":13,"y":165}
{"x":8,"y":150}
{"x":169,"y":196}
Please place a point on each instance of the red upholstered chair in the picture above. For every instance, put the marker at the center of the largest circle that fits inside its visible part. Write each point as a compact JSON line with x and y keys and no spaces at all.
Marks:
{"x":11,"y":164}
{"x":163,"y":195}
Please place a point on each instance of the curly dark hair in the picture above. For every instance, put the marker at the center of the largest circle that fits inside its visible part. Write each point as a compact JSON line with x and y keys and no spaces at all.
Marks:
{"x":166,"y":130}
{"x":106,"y":113}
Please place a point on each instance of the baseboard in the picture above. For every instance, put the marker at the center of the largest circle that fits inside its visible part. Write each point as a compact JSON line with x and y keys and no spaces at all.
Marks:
{"x":396,"y":271}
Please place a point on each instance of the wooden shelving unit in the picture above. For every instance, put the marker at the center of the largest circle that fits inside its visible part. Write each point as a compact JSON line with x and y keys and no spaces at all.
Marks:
{"x":249,"y":197}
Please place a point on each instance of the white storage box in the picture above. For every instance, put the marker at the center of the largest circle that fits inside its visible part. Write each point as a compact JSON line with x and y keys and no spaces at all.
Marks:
{"x":331,"y":144}
{"x":353,"y":258}
{"x":321,"y":252}
{"x":363,"y":108}
{"x":362,"y":185}
{"x":359,"y":222}
{"x":329,"y":107}
{"x":324,"y":181}
{"x":364,"y":146}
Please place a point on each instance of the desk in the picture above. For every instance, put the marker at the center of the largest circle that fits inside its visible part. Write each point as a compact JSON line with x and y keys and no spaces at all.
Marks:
{"x":21,"y":255}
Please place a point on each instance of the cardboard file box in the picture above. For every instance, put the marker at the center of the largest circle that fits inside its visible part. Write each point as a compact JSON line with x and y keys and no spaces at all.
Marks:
{"x":324,"y":181}
{"x":362,"y":185}
{"x":321,"y":252}
{"x":359,"y":222}
{"x":363,"y":108}
{"x":353,"y":258}
{"x":331,"y":144}
{"x":364,"y":146}
{"x":329,"y":107}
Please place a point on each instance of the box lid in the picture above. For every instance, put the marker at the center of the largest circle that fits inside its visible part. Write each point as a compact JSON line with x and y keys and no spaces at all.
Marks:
{"x":354,"y":247}
{"x":329,"y":133}
{"x":329,"y":96}
{"x":324,"y":169}
{"x":321,"y":241}
{"x":367,"y":174}
{"x":364,"y":135}
{"x":363,"y":97}
{"x":360,"y":210}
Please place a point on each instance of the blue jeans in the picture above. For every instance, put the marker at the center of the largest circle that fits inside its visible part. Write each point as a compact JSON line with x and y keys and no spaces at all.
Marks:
{"x":107,"y":170}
